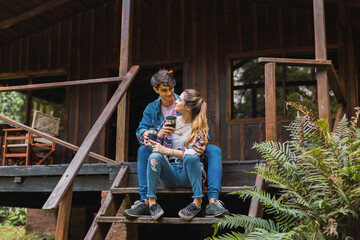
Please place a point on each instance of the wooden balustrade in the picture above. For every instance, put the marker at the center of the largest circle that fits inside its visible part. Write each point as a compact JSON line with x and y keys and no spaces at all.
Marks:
{"x":62,"y":193}
{"x":53,"y":139}
{"x":69,"y":176}
{"x":325,"y":66}
{"x":60,"y":84}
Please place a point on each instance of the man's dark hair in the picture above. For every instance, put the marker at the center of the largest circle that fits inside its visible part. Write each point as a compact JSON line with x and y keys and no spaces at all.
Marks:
{"x":163,"y":77}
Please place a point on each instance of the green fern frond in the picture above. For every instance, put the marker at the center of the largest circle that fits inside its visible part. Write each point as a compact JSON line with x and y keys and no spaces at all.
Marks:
{"x":261,"y":234}
{"x":272,"y":205}
{"x":229,"y":236}
{"x":342,"y":129}
{"x":280,"y":152}
{"x":237,"y":220}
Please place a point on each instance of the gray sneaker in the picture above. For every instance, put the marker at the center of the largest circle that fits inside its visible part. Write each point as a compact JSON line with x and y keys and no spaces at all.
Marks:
{"x":156,"y":211}
{"x":216,"y":209}
{"x":189,"y":212}
{"x":138,"y":209}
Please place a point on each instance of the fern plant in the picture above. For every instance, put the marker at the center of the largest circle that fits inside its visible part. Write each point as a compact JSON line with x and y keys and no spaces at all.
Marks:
{"x":317,"y":173}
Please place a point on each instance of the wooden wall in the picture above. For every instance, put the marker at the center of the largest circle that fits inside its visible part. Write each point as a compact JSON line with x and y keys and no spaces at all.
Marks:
{"x":202,"y":35}
{"x":84,"y":45}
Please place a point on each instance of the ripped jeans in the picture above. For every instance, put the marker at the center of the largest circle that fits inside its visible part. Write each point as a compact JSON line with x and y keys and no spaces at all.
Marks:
{"x":186,"y":173}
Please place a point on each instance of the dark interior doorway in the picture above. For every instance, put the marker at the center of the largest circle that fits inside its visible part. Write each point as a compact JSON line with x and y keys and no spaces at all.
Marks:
{"x":141,"y":94}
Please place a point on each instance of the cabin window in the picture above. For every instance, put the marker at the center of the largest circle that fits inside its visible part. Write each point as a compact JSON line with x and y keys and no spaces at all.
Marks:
{"x":20,"y":106}
{"x":296,"y":84}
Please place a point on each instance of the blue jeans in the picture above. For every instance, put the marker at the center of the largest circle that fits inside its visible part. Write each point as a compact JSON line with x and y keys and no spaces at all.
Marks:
{"x":214,"y":169}
{"x":186,"y":173}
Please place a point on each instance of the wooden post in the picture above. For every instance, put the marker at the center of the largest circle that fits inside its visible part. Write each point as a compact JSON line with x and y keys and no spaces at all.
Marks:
{"x":63,"y":218}
{"x":28,"y":103}
{"x":270,"y":101}
{"x":320,"y":54}
{"x":122,"y":129}
{"x":284,"y":89}
{"x":352,"y":82}
{"x":270,"y":125}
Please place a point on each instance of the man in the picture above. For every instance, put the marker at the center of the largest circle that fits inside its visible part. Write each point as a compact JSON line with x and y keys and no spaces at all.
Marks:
{"x":154,"y":114}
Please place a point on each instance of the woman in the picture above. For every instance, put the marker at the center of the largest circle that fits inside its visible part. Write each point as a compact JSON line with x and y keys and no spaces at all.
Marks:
{"x":174,"y":161}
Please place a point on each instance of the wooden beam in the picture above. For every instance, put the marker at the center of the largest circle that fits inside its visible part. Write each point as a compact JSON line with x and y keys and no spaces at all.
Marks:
{"x":60,"y":84}
{"x":339,"y":114}
{"x":123,"y":111}
{"x":163,"y":190}
{"x":294,"y":62}
{"x":165,"y":220}
{"x":336,"y":86}
{"x":26,"y":74}
{"x":255,"y":206}
{"x":321,"y":64}
{"x":54,"y":139}
{"x":69,"y":176}
{"x":320,"y":54}
{"x":272,"y":52}
{"x":342,"y":15}
{"x":31,"y":13}
{"x":270,"y":100}
{"x":63,"y":219}
{"x":110,"y":207}
{"x":352,"y":76}
{"x":319,"y":28}
{"x":270,"y":128}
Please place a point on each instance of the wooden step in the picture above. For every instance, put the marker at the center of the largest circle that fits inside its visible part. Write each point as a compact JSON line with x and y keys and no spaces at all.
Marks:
{"x":135,"y":190}
{"x":163,"y":220}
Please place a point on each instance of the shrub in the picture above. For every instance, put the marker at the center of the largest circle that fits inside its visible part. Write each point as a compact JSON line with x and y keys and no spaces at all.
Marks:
{"x":13,"y":216}
{"x":317,"y":173}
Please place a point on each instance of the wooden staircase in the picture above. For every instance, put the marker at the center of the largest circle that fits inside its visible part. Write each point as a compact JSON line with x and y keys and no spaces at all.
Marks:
{"x":234,"y":179}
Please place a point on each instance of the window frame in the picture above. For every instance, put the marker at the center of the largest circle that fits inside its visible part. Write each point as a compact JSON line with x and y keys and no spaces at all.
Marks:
{"x":265,"y":53}
{"x":28,"y":93}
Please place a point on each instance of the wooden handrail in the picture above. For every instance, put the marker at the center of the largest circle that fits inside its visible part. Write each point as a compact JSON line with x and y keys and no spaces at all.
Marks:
{"x":270,"y":97}
{"x":60,"y":84}
{"x":295,"y":62}
{"x":333,"y":80}
{"x":68,"y":177}
{"x":53,"y":139}
{"x":335,"y":85}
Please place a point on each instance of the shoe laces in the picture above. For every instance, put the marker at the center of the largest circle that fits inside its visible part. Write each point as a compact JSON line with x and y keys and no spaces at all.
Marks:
{"x":219,"y":203}
{"x":191,"y":207}
{"x":155,"y":207}
{"x":137,"y":202}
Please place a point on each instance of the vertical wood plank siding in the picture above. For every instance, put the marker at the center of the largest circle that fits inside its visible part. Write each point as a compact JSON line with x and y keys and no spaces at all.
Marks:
{"x":202,"y":33}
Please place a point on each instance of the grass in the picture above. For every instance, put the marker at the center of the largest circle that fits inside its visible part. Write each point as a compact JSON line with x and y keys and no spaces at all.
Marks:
{"x":19,"y":233}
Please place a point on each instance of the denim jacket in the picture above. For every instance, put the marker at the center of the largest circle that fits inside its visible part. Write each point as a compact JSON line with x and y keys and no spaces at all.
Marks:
{"x":152,"y":117}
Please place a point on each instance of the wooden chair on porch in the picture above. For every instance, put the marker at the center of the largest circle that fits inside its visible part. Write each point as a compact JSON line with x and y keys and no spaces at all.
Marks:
{"x":24,"y":148}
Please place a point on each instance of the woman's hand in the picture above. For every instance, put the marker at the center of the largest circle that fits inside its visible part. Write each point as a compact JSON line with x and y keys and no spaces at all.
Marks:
{"x":157,"y":147}
{"x":166,"y":130}
{"x":190,"y":151}
{"x":200,"y":149}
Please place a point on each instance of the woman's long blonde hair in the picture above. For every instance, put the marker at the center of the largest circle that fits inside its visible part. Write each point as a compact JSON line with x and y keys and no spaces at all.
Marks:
{"x":197,"y":104}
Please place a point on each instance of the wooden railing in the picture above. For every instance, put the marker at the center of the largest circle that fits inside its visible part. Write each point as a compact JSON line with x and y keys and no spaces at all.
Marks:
{"x":69,"y":176}
{"x":270,"y":101}
{"x":62,"y":193}
{"x":53,"y":139}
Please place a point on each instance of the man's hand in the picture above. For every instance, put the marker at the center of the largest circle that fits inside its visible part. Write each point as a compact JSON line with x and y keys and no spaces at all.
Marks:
{"x":157,"y":147}
{"x":166,"y":130}
{"x":201,"y":149}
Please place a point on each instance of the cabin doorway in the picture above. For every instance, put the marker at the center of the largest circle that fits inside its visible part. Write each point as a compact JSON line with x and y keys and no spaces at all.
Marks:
{"x":141,"y":94}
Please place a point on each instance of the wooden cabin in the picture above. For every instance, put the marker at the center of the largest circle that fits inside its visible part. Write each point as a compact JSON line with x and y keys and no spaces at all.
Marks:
{"x":246,"y":57}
